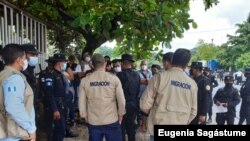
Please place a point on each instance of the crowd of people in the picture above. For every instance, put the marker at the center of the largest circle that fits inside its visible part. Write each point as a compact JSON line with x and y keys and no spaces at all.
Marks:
{"x":110,"y":96}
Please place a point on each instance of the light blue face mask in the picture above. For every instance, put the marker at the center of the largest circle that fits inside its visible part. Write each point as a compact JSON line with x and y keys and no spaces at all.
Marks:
{"x":33,"y":61}
{"x":63,"y":66}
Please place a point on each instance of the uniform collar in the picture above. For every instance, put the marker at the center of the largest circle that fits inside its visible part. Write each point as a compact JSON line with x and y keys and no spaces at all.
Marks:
{"x":12,"y":69}
{"x":176,"y":69}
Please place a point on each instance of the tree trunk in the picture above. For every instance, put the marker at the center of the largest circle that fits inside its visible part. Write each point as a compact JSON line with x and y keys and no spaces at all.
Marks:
{"x":92,"y":43}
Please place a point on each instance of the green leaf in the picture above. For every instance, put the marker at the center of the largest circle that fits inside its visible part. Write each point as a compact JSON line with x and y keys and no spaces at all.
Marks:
{"x":194,"y":25}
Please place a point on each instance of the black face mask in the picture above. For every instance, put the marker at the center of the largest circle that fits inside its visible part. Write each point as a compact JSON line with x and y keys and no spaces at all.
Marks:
{"x":229,"y":85}
{"x":205,"y":73}
{"x":191,"y":72}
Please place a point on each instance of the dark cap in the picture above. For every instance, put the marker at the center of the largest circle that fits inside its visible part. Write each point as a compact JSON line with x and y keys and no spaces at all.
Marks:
{"x":98,"y":59}
{"x":58,"y":57}
{"x":229,"y":78}
{"x":206,"y":69}
{"x":127,"y":57}
{"x":196,"y":65}
{"x":168,"y":56}
{"x":29,"y":48}
{"x":247,"y":70}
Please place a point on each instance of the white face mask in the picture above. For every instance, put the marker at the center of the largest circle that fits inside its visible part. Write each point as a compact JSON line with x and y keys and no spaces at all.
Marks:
{"x":25,"y":64}
{"x":118,"y":69}
{"x":33,"y":61}
{"x":87,"y":59}
{"x":144,"y":67}
{"x":63,"y":66}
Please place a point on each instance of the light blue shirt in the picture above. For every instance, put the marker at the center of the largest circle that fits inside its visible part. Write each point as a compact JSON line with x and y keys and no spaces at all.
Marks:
{"x":148,"y":75}
{"x":14,"y":89}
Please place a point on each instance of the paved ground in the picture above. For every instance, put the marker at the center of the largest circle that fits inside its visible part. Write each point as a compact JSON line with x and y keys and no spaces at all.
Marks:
{"x":82,"y":130}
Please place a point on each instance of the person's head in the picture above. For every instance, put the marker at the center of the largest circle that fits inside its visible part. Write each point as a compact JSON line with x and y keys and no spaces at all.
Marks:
{"x":50,"y":63}
{"x":181,"y":58}
{"x":155,"y":69}
{"x":144,"y":65}
{"x":127,"y":61}
{"x":59,"y":62}
{"x":72,"y":59}
{"x":98,"y":62}
{"x":14,"y":56}
{"x":229,"y":80}
{"x":247,"y":72}
{"x":196,"y":69}
{"x":116,"y":65}
{"x":31,"y":54}
{"x":167,"y":60}
{"x":107,"y":58}
{"x":86,"y":57}
{"x":108,"y":66}
{"x":206,"y":71}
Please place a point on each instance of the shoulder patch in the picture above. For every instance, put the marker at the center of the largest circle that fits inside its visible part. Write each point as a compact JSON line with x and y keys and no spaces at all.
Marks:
{"x":208,"y":88}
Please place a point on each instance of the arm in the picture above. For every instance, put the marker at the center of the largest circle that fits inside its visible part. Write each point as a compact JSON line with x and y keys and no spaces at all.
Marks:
{"x":194,"y":103}
{"x":236,"y":99}
{"x":70,"y":74}
{"x":205,"y":96}
{"x":148,"y":97}
{"x":120,"y":99}
{"x":216,"y":100}
{"x":82,"y":101}
{"x":14,"y":89}
{"x":49,"y":92}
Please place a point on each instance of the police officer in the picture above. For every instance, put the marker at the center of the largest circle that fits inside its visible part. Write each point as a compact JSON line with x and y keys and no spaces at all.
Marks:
{"x":245,"y":95}
{"x":171,"y":96}
{"x":17,"y":115}
{"x":130,"y":80}
{"x":213,"y":84}
{"x":204,"y":92}
{"x":227,"y":97}
{"x":102,"y":102}
{"x":55,"y":96}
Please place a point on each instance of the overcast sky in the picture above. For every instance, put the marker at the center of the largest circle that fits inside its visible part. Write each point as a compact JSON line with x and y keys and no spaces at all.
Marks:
{"x":215,"y":23}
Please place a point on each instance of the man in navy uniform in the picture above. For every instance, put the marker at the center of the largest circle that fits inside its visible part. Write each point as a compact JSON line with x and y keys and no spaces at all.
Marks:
{"x":130,"y":80}
{"x":55,"y":96}
{"x":245,"y":95}
{"x":204,"y":92}
{"x":229,"y":98}
{"x":213,"y":84}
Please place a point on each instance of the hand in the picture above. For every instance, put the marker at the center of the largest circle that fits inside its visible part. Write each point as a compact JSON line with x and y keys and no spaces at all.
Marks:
{"x":32,"y":136}
{"x":224,"y":104}
{"x":56,"y":115}
{"x":202,"y":119}
{"x":218,"y":103}
{"x":86,"y":119}
{"x":120,"y":118}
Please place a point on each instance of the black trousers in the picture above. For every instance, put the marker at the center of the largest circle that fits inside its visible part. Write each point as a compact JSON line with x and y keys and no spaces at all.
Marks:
{"x":222,"y":118}
{"x":128,"y":123}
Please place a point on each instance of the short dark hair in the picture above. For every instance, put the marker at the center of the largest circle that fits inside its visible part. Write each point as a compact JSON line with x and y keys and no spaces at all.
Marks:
{"x":11,"y":52}
{"x":181,"y":57}
{"x":107,"y":57}
{"x":156,"y":66}
{"x":168,"y":57}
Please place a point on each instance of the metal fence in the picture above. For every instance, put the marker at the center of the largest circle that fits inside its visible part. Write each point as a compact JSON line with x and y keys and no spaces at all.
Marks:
{"x":18,"y":26}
